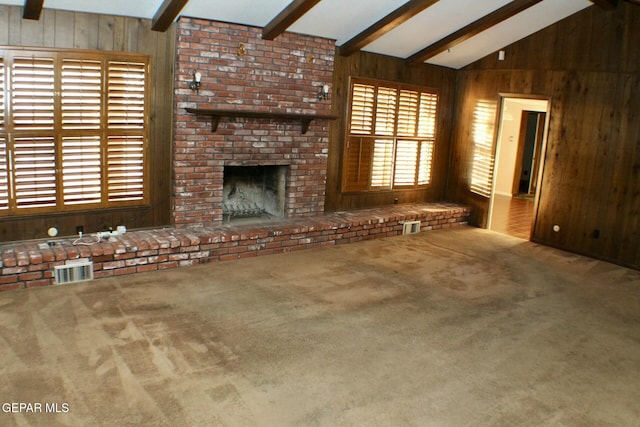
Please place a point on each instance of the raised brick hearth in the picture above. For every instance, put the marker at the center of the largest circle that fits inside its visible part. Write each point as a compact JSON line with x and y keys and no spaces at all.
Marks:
{"x":26,"y":265}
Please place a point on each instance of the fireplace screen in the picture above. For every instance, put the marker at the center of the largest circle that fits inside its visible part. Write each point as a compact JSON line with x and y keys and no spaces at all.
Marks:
{"x":253,"y":192}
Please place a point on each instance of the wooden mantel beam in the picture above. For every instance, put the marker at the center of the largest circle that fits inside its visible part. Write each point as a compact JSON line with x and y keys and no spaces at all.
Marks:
{"x":287,"y":17}
{"x":32,"y":9}
{"x":166,"y":14}
{"x":605,"y":4}
{"x":465,"y":33}
{"x":386,"y":24}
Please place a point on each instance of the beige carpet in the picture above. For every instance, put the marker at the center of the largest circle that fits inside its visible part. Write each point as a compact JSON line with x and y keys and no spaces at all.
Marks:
{"x":459,"y":327}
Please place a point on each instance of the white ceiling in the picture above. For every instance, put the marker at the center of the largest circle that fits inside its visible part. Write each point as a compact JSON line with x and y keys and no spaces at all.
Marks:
{"x":341,"y":20}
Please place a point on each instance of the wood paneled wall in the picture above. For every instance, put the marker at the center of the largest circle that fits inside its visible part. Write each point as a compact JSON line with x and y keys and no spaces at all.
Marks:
{"x":588,"y":65}
{"x":380,"y":67}
{"x":74,"y":30}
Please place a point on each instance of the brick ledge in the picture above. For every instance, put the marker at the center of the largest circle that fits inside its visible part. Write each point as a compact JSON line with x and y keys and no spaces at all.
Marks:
{"x":26,"y":264}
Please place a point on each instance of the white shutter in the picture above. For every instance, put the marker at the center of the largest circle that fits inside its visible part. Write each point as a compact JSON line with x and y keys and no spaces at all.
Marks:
{"x":483,"y":161}
{"x":34,"y":171}
{"x":382,"y":164}
{"x":362,"y":100}
{"x":32,"y":93}
{"x":406,"y":163}
{"x":81,"y":170}
{"x":125,"y":95}
{"x":81,"y":94}
{"x":125,"y":168}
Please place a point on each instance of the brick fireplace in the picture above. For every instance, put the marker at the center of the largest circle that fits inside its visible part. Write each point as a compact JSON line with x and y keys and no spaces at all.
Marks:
{"x":242,"y":72}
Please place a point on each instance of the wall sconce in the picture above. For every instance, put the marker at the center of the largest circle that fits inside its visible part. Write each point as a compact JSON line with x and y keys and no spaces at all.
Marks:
{"x":195,"y":83}
{"x":323,"y":93}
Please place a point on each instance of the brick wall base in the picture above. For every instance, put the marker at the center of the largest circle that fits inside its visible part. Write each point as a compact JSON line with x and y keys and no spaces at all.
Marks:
{"x":31,"y":264}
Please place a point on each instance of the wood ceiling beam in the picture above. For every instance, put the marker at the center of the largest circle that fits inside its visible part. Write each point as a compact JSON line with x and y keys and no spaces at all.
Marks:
{"x":166,"y":14}
{"x":386,"y":24}
{"x":32,"y":9}
{"x":287,"y":17}
{"x":465,"y":33}
{"x":605,"y":4}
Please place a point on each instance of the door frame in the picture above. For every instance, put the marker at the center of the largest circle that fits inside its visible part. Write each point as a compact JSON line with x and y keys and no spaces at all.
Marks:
{"x":542,"y":156}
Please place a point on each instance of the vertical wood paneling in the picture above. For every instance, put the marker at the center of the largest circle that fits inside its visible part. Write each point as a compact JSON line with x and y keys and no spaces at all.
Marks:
{"x":32,"y":32}
{"x":85,"y":31}
{"x":48,"y":18}
{"x":15,"y":25}
{"x":69,"y":30}
{"x":105,"y":32}
{"x":4,"y":25}
{"x":65,"y":29}
{"x":591,"y":183}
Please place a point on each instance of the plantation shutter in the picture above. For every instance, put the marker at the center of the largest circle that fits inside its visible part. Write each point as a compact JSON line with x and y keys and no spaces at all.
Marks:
{"x":407,"y":113}
{"x":382,"y":163}
{"x":426,"y":130}
{"x":386,"y":111}
{"x":125,"y":163}
{"x":4,"y":175}
{"x":357,"y":164}
{"x":125,"y":93}
{"x":126,"y":140}
{"x":362,"y":101}
{"x":34,"y":171}
{"x":73,"y":130}
{"x":81,"y":94}
{"x":427,"y":120}
{"x":400,"y":125}
{"x":406,"y":163}
{"x":4,"y":169}
{"x":406,"y":160}
{"x":32,"y":93}
{"x":483,"y":131}
{"x":2,"y":95}
{"x":81,"y":170}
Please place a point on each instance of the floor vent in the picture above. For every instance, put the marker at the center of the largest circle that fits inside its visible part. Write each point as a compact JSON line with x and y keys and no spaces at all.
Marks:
{"x":77,"y":270}
{"x":410,"y":227}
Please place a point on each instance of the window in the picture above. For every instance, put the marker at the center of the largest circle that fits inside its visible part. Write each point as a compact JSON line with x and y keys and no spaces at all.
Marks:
{"x":484,"y":117}
{"x":73,"y":130}
{"x":391,"y":136}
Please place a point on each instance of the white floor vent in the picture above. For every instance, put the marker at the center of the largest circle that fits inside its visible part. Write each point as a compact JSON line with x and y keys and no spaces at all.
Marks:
{"x":77,"y":270}
{"x":410,"y":227}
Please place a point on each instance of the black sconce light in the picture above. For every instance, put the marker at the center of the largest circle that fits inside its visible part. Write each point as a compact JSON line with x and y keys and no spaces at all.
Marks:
{"x":195,"y":83}
{"x":323,"y":93}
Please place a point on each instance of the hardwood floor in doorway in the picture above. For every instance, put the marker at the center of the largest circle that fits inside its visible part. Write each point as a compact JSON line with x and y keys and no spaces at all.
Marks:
{"x":512,"y":216}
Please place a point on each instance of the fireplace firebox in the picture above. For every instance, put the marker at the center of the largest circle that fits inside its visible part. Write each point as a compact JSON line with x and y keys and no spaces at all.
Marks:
{"x":253,"y":193}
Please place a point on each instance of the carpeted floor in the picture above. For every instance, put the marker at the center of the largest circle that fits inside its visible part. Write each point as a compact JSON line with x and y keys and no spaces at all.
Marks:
{"x":461,"y":327}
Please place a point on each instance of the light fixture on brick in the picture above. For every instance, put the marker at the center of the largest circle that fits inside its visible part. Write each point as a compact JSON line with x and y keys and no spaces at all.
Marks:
{"x":195,"y":83}
{"x":242,"y":50}
{"x":323,"y":93}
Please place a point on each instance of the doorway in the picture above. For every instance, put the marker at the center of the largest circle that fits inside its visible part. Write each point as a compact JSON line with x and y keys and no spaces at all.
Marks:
{"x":518,"y":165}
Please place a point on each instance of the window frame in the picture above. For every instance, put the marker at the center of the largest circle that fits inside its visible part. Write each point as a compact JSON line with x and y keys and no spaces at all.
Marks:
{"x":353,"y":181}
{"x":135,"y":156}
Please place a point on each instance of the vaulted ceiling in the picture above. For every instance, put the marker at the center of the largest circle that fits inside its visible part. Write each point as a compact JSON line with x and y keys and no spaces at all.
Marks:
{"x":451,"y":33}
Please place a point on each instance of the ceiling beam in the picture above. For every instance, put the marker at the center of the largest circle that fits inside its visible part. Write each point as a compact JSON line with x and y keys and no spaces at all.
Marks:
{"x":386,"y":24}
{"x":605,"y":4}
{"x":166,"y":14}
{"x":32,"y":9}
{"x":287,"y":17}
{"x":482,"y":24}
